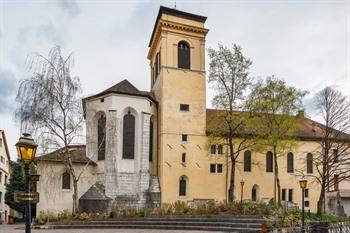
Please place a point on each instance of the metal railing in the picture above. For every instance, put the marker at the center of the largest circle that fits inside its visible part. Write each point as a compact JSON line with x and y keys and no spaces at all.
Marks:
{"x":317,"y":227}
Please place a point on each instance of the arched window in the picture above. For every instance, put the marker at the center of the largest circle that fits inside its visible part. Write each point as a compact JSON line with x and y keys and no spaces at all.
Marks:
{"x":269,"y":162}
{"x":128,"y":136}
{"x":309,"y":167}
{"x":182,"y":186}
{"x":255,"y":190}
{"x":290,"y":162}
{"x":151,"y":141}
{"x":247,"y":161}
{"x":101,"y":137}
{"x":183,"y":55}
{"x":65,"y":180}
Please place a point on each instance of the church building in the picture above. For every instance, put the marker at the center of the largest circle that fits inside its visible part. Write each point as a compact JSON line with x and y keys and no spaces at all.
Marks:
{"x":151,"y":147}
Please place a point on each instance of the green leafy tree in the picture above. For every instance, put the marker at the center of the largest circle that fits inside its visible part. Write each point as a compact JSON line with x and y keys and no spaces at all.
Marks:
{"x":16,"y":183}
{"x":229,"y":77}
{"x":276,"y":106}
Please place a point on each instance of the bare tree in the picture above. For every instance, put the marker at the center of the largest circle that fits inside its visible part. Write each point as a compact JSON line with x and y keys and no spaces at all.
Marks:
{"x":50,"y":108}
{"x":228,"y":74}
{"x":332,"y":162}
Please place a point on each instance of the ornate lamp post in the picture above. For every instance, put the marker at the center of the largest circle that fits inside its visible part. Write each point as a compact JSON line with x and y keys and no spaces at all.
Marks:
{"x":242,"y":184}
{"x":303,"y":184}
{"x":26,"y":148}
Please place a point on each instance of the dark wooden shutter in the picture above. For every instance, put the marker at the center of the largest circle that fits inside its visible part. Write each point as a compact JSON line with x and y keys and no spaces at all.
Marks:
{"x":283,"y":194}
{"x":269,"y":161}
{"x":101,"y":138}
{"x":66,"y":180}
{"x":254,"y":194}
{"x":151,"y":141}
{"x":212,"y":168}
{"x":219,"y":168}
{"x":247,"y":161}
{"x":290,"y":162}
{"x":290,"y":195}
{"x":129,"y":137}
{"x":182,"y":187}
{"x":184,"y":55}
{"x":309,"y":167}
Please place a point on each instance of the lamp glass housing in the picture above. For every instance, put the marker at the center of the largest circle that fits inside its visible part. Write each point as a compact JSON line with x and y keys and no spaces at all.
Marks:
{"x":242,"y":182}
{"x":26,"y":148}
{"x":303,"y":183}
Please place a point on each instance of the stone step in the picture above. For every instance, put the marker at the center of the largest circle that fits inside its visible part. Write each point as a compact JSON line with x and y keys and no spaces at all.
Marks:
{"x":167,"y":227}
{"x":120,"y":223}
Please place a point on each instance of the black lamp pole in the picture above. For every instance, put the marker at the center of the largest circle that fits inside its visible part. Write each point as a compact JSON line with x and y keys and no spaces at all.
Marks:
{"x":302,"y":211}
{"x":27,"y":202}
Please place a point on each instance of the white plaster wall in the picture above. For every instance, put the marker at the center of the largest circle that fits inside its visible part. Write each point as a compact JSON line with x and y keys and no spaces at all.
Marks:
{"x":52,"y":197}
{"x":121,"y":176}
{"x":4,"y":169}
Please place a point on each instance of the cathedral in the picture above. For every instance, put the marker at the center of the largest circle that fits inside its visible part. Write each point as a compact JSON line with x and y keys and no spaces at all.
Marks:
{"x":151,"y":147}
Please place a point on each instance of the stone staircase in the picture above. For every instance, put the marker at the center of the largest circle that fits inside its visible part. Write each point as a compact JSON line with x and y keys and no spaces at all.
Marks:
{"x":242,"y":223}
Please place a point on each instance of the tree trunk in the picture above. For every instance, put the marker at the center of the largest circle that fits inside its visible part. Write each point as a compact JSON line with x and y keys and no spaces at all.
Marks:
{"x":320,"y":203}
{"x":75,"y":197}
{"x":277,"y":188}
{"x":233,"y":169}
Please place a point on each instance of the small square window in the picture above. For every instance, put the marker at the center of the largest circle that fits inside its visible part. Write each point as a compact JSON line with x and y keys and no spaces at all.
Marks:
{"x":102,"y":100}
{"x":212,"y":168}
{"x":184,"y":107}
{"x":184,"y":137}
{"x":307,"y":203}
{"x":219,"y":168}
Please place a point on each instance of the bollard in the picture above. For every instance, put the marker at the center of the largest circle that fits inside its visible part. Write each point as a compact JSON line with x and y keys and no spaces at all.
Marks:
{"x":264,"y":228}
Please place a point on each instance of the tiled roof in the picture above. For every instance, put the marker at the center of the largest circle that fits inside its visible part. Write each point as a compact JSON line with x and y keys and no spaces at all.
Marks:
{"x":124,"y":87}
{"x":307,"y":129}
{"x":78,"y":155}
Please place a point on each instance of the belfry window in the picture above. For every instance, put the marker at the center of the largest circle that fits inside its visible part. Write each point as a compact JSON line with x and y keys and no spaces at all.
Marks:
{"x":101,"y":137}
{"x":128,"y":136}
{"x":183,"y":55}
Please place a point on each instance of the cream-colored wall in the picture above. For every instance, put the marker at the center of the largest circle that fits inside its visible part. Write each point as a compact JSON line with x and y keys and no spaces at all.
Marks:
{"x":4,"y":169}
{"x":52,"y":197}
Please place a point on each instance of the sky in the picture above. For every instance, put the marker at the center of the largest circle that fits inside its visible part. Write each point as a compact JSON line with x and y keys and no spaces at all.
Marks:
{"x":306,"y":43}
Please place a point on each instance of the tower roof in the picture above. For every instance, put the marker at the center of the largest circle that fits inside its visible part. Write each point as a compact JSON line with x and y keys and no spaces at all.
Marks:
{"x":178,"y":13}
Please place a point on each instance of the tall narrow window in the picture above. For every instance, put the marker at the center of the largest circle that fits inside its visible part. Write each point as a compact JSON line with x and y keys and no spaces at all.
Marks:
{"x":183,"y":158}
{"x":220,"y":149}
{"x":213,"y":149}
{"x":269,"y":162}
{"x":128,"y":136}
{"x":283,"y":194}
{"x":336,"y":182}
{"x":335,"y":156}
{"x":182,"y":186}
{"x":184,"y":57}
{"x":247,"y":161}
{"x":290,"y":195}
{"x":65,"y":180}
{"x":101,"y":137}
{"x":309,"y":167}
{"x":151,"y":141}
{"x":290,"y":162}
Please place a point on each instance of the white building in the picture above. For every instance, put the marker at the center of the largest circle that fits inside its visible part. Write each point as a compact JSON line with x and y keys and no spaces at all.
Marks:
{"x":4,"y":175}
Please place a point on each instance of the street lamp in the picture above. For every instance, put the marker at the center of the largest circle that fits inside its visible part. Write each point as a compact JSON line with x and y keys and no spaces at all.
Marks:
{"x":303,"y":184}
{"x":26,"y":148}
{"x":242,"y":184}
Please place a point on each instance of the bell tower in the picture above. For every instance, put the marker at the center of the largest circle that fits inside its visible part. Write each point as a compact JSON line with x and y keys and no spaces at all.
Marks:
{"x":177,"y":64}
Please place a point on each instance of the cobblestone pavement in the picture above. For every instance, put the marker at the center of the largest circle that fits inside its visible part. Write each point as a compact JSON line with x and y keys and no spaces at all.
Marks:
{"x":20,"y":229}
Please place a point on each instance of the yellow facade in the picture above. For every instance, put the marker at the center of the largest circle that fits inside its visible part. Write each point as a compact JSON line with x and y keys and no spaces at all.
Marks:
{"x":174,"y":86}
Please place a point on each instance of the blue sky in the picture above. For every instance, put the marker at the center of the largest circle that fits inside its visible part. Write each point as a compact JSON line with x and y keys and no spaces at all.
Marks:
{"x":306,"y":43}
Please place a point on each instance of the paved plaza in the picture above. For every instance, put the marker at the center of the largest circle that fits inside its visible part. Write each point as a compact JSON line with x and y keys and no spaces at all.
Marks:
{"x":20,"y":229}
